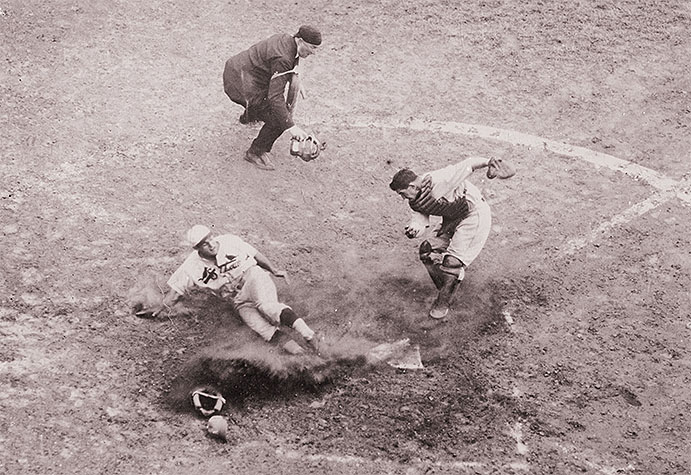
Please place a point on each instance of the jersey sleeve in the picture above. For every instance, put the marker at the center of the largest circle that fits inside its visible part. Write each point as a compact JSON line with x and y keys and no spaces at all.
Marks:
{"x":243,"y":247}
{"x":183,"y":278}
{"x":450,"y":178}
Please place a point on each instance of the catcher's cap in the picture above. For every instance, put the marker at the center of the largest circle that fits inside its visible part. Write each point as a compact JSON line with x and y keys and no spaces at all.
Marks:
{"x":207,"y":401}
{"x":197,"y":234}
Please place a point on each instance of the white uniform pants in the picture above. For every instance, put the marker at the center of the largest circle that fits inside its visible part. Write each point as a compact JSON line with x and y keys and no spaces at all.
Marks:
{"x":470,"y":235}
{"x":257,"y":302}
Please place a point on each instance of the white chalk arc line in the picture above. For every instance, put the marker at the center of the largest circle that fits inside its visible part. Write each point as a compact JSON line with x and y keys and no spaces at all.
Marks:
{"x":639,"y":209}
{"x":667,"y":188}
{"x":637,"y":172}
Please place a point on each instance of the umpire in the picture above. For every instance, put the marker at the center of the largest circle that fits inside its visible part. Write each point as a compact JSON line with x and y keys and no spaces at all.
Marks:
{"x":256,"y":79}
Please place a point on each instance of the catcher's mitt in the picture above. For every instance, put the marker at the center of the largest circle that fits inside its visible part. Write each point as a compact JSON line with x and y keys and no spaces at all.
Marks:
{"x":498,"y":168}
{"x":307,"y":149}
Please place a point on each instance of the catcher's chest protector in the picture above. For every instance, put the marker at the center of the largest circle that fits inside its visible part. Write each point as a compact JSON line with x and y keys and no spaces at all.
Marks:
{"x":424,"y":203}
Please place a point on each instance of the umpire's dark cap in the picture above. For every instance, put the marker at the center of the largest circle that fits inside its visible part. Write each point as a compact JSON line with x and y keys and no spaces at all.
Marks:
{"x":309,"y":34}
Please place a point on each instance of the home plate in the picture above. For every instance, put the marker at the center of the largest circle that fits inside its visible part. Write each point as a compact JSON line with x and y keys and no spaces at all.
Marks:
{"x":399,"y":354}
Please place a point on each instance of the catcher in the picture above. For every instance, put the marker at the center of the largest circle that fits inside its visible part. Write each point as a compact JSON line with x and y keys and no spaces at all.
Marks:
{"x":257,"y":79}
{"x":236,"y":270}
{"x":465,"y":225}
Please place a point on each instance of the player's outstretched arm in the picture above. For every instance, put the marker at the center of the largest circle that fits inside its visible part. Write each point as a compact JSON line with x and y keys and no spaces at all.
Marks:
{"x":170,"y":299}
{"x":267,"y":265}
{"x":477,"y":163}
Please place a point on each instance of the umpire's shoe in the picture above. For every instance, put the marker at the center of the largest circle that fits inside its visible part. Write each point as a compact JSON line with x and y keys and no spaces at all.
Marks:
{"x":259,"y":161}
{"x":266,"y":159}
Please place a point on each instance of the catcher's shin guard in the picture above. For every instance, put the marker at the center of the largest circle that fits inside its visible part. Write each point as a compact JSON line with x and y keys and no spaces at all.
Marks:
{"x":452,"y":272}
{"x":432,"y":268}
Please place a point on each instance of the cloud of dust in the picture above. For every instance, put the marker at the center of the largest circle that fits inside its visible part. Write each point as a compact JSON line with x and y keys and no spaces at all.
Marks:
{"x":240,"y":364}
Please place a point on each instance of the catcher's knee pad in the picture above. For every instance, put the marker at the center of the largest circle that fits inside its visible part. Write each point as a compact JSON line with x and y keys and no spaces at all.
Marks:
{"x":452,"y":265}
{"x":425,"y":250}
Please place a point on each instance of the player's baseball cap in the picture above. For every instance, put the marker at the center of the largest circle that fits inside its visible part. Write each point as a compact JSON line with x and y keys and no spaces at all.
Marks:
{"x":309,"y":34}
{"x":197,"y":234}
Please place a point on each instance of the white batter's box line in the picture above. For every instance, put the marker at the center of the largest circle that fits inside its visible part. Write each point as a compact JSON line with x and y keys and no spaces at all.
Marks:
{"x":637,"y":172}
{"x":626,"y":216}
{"x":470,"y":467}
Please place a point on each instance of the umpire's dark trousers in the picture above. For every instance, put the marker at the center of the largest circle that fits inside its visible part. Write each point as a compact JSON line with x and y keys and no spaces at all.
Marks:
{"x":271,"y":129}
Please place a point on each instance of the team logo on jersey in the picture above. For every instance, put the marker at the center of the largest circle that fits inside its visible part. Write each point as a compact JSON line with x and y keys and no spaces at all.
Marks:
{"x":209,"y":274}
{"x":233,"y":263}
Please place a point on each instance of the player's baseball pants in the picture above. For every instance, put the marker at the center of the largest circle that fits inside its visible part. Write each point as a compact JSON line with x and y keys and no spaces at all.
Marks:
{"x":470,"y":235}
{"x":257,"y":302}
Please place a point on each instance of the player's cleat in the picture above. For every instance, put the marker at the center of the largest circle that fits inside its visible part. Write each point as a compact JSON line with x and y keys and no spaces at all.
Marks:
{"x":315,"y":343}
{"x":293,"y":348}
{"x":438,"y":312}
{"x":257,"y":161}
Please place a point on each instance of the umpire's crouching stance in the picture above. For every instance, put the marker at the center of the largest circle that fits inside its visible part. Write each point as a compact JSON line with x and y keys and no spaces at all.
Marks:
{"x":256,"y":79}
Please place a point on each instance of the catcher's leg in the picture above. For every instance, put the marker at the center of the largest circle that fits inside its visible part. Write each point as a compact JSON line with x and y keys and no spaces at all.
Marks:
{"x":452,"y":273}
{"x":432,"y":268}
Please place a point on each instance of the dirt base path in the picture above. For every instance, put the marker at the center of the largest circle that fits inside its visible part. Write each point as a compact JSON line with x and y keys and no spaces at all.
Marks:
{"x":567,"y":348}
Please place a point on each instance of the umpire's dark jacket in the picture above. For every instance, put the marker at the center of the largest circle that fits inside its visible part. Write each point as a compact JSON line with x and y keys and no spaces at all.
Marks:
{"x":247,"y":78}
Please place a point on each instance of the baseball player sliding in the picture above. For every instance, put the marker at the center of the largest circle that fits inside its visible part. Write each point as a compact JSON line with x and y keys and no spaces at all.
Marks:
{"x":466,"y":220}
{"x":234,"y":269}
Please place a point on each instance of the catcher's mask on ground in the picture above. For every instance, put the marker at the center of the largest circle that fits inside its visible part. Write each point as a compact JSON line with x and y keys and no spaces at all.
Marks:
{"x":307,"y":149}
{"x":207,"y":401}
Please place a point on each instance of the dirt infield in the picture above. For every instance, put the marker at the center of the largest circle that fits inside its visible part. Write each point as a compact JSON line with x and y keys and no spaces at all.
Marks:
{"x":567,"y":348}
